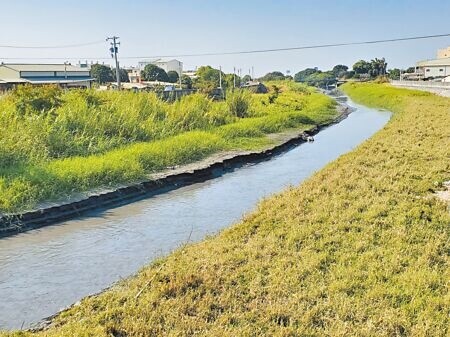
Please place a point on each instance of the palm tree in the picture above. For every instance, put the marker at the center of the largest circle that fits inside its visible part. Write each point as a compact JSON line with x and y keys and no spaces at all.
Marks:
{"x":378,"y":67}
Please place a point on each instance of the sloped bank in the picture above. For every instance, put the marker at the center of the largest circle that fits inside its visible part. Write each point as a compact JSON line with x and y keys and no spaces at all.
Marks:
{"x":209,"y":168}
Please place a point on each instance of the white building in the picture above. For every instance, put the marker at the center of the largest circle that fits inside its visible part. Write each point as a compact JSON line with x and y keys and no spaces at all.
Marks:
{"x":134,"y":74}
{"x":434,"y":69}
{"x":167,"y":65}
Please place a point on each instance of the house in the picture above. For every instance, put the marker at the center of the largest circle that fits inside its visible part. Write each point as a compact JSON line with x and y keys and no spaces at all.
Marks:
{"x":134,"y":74}
{"x":65,"y":75}
{"x":437,"y":69}
{"x":434,"y":69}
{"x":255,"y":87}
{"x":167,"y":65}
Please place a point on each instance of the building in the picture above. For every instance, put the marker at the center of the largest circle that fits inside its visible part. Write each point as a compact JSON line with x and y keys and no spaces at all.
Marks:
{"x":433,"y":69}
{"x":255,"y":87}
{"x":436,"y":70}
{"x":443,"y":53}
{"x":134,"y":74}
{"x":192,"y":74}
{"x":167,"y":65}
{"x":65,"y":75}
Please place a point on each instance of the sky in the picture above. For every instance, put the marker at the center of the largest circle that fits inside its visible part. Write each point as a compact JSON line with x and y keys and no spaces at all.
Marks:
{"x":152,"y":28}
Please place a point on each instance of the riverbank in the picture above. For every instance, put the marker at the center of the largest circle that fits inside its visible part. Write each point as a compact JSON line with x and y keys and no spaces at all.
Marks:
{"x":358,"y":249}
{"x":160,"y":182}
{"x":86,"y":141}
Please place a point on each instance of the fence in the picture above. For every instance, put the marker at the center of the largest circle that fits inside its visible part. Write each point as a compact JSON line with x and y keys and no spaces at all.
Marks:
{"x":422,"y":84}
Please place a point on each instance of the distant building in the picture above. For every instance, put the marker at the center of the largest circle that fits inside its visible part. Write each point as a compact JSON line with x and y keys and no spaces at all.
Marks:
{"x":255,"y":87}
{"x":443,"y":53}
{"x":134,"y":74}
{"x":167,"y":65}
{"x":434,"y":69}
{"x":65,"y":75}
{"x":192,"y":74}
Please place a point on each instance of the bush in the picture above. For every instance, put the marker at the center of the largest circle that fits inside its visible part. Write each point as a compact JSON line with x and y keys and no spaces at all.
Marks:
{"x":238,"y":103}
{"x":173,"y":76}
{"x":30,"y":99}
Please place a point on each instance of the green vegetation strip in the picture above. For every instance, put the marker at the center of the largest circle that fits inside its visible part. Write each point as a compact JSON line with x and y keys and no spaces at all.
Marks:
{"x":360,"y":249}
{"x":54,"y":144}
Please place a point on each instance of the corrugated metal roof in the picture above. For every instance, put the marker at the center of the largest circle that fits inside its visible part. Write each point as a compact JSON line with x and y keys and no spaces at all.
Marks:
{"x":49,"y":80}
{"x":43,"y":67}
{"x":436,"y":62}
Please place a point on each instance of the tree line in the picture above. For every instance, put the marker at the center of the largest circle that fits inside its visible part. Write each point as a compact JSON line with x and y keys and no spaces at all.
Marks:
{"x":208,"y":78}
{"x":361,"y":69}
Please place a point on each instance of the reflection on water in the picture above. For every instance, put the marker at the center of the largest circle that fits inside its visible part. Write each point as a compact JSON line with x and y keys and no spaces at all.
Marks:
{"x":44,"y":270}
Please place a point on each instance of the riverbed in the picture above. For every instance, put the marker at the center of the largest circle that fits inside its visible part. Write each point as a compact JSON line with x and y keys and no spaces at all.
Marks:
{"x":45,"y":270}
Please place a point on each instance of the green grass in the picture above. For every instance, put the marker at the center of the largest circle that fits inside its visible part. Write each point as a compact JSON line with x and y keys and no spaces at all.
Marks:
{"x":359,"y":249}
{"x":54,"y":144}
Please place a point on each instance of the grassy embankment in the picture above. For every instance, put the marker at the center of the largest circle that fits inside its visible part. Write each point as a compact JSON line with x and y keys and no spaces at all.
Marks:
{"x":359,"y":249}
{"x":53,"y":143}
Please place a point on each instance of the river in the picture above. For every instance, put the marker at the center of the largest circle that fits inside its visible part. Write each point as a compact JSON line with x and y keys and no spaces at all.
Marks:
{"x":45,"y":270}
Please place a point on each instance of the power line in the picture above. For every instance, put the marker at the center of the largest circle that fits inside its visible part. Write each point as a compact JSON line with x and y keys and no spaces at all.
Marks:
{"x":54,"y":47}
{"x":249,"y":51}
{"x":300,"y":48}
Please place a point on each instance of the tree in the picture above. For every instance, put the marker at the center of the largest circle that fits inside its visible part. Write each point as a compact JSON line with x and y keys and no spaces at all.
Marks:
{"x":173,"y":76}
{"x":303,"y":75}
{"x":394,"y":74}
{"x":228,"y":81}
{"x":246,"y":78}
{"x":349,"y":74}
{"x":377,"y":67}
{"x":208,"y":79}
{"x":154,"y":73}
{"x":362,"y":67}
{"x":273,"y":76}
{"x":123,"y":75}
{"x":339,"y":70}
{"x":186,"y":82}
{"x":102,"y":73}
{"x":321,"y":79}
{"x":411,"y":70}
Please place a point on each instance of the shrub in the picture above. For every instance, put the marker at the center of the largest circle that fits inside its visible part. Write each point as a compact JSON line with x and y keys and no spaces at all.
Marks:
{"x":238,"y":103}
{"x":31,"y":99}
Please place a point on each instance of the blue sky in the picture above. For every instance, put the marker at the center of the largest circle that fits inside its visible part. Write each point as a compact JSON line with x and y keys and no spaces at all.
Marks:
{"x":148,"y":28}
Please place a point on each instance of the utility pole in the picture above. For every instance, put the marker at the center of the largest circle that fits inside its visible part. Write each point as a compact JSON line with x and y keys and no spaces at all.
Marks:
{"x":114,"y":50}
{"x":234,"y":77}
{"x":181,"y":74}
{"x":220,"y":82}
{"x":65,"y":74}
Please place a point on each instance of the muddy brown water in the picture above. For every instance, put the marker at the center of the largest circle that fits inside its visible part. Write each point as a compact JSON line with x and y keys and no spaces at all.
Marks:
{"x":45,"y":270}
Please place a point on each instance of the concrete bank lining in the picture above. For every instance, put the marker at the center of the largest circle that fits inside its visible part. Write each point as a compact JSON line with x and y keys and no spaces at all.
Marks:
{"x":158,"y":183}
